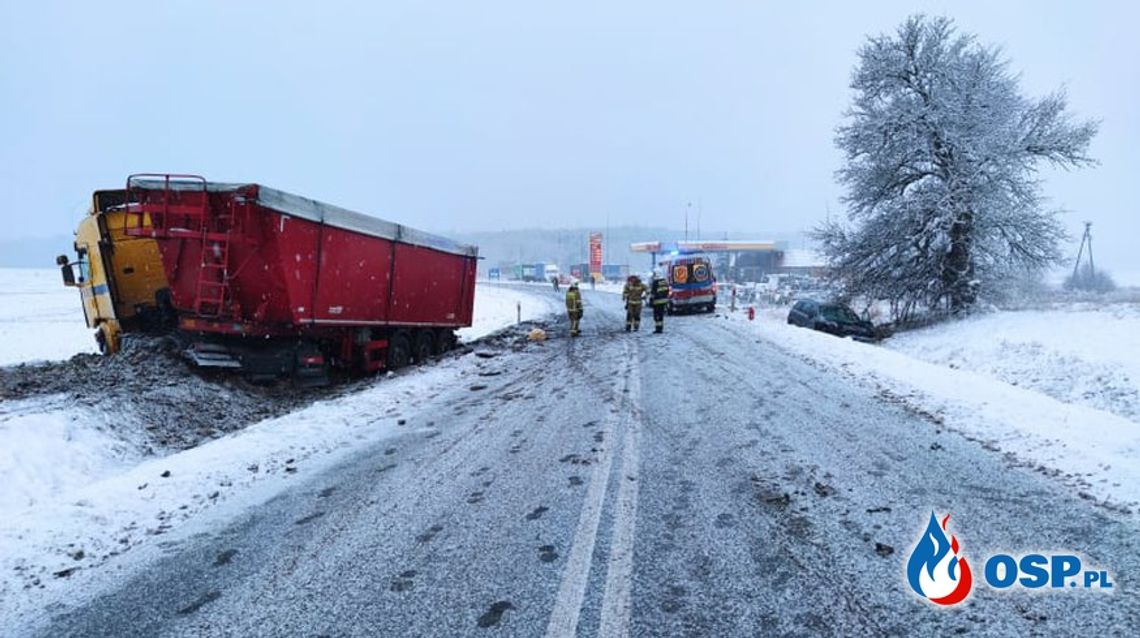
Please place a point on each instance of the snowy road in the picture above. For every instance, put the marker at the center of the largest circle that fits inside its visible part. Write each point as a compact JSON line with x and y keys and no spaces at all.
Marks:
{"x":697,"y":483}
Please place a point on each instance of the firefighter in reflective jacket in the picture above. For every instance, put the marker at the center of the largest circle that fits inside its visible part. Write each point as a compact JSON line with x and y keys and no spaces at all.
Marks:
{"x":632,"y":295}
{"x":659,"y":291}
{"x":574,"y":307}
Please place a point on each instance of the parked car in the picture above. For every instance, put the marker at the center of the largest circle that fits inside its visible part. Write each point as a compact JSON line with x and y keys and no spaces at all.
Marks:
{"x":832,"y":318}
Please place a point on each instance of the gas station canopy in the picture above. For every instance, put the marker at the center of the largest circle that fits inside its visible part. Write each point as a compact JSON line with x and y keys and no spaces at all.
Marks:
{"x":658,"y":247}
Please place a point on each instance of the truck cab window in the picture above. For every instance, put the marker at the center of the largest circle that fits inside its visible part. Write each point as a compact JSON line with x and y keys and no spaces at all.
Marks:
{"x":84,"y":266}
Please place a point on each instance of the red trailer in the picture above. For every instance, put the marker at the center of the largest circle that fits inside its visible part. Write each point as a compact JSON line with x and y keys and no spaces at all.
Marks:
{"x":275,"y":283}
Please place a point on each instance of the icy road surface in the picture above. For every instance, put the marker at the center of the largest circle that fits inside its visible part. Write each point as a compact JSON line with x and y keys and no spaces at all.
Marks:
{"x":700,"y":482}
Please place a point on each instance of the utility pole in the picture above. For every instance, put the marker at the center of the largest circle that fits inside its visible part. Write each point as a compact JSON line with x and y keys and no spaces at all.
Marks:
{"x":1088,"y":234}
{"x":1085,"y":239}
{"x":606,"y":238}
{"x":700,"y":209}
{"x":688,"y":205}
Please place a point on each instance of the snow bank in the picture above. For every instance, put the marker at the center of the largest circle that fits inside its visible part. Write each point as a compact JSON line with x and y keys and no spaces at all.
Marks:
{"x":40,"y":319}
{"x":1095,"y":451}
{"x":47,"y":449}
{"x":1076,"y":353}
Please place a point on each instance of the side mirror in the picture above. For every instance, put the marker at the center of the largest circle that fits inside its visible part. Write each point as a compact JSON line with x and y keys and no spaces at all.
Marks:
{"x":65,"y":270}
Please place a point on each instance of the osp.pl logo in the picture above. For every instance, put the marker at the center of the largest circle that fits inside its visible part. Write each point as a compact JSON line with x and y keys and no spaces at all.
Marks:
{"x":935,"y":570}
{"x":938,"y":572}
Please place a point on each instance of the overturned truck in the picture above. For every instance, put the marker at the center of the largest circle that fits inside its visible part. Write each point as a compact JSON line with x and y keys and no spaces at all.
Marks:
{"x":276,"y":284}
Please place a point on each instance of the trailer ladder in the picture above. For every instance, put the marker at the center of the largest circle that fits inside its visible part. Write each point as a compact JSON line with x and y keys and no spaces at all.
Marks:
{"x":213,"y":275}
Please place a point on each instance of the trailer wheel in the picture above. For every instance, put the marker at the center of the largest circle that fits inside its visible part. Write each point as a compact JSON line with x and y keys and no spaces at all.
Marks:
{"x":424,"y":344}
{"x":399,"y":351}
{"x":444,"y":341}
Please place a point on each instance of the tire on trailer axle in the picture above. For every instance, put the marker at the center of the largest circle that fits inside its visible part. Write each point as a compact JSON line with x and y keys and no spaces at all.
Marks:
{"x":423,"y":346}
{"x":399,"y":351}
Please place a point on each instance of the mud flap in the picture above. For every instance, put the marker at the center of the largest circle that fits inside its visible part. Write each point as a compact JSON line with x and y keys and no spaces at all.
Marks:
{"x":312,"y":369}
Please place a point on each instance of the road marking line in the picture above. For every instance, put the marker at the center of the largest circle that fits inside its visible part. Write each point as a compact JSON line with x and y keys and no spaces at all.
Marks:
{"x":616,"y":605}
{"x":568,"y":605}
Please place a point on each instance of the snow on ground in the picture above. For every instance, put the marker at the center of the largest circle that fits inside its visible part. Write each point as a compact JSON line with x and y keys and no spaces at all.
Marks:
{"x":1076,"y":353}
{"x":1093,"y":450}
{"x":40,"y":319}
{"x":53,"y":548}
{"x":74,"y":494}
{"x":500,"y":305}
{"x":49,"y":447}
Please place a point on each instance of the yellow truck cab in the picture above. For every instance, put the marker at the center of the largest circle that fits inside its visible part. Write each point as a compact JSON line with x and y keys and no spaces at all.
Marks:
{"x":119,"y":277}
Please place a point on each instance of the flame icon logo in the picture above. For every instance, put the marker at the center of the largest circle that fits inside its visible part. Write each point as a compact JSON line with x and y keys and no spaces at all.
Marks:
{"x":935,"y":570}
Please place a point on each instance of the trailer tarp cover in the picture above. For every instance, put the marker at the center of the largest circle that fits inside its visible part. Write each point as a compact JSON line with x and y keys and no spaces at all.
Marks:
{"x":320,"y":212}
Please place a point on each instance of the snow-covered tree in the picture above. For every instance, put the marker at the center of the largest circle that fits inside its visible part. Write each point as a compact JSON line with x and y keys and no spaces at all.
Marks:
{"x":1090,"y":279}
{"x":941,"y":158}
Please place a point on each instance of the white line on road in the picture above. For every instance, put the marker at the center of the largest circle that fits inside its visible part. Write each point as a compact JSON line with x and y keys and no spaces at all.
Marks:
{"x":616,"y":605}
{"x":568,"y":605}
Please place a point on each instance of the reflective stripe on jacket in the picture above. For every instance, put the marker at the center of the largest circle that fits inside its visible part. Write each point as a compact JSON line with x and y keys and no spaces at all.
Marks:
{"x":573,"y":300}
{"x":660,"y":292}
{"x":632,"y":293}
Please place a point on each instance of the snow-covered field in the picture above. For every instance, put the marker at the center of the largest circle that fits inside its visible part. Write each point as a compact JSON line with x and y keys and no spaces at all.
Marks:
{"x":40,"y":319}
{"x":1079,"y":353}
{"x":1016,"y":382}
{"x":70,"y":488}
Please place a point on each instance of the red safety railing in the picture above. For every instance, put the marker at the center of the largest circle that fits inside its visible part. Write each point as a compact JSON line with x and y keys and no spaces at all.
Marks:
{"x":166,"y":205}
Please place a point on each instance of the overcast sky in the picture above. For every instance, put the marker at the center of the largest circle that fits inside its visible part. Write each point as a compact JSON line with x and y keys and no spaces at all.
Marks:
{"x":489,"y":115}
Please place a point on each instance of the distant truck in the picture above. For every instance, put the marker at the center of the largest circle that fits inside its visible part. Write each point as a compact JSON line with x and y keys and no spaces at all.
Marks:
{"x":269,"y":282}
{"x":615,"y":272}
{"x":692,"y":286}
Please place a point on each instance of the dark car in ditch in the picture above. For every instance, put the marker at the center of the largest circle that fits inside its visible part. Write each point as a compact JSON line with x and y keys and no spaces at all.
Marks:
{"x":832,"y":318}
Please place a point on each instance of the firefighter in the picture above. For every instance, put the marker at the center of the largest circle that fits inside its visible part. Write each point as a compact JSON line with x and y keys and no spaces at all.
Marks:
{"x":554,"y":280}
{"x":633,"y":294}
{"x":574,"y":307}
{"x":659,"y":296}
